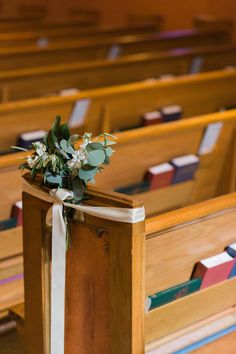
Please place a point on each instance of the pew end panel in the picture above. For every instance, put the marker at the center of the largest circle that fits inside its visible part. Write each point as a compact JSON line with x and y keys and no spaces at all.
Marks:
{"x":104,"y":280}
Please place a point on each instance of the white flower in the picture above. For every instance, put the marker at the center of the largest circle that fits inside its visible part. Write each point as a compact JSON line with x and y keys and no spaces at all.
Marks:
{"x":32,"y":161}
{"x":40,"y":148}
{"x":53,"y":158}
{"x":86,"y":140}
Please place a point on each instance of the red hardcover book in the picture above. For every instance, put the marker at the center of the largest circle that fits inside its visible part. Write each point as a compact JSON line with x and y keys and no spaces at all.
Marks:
{"x":17,"y":213}
{"x":215,"y":269}
{"x":152,"y":118}
{"x":160,"y":176}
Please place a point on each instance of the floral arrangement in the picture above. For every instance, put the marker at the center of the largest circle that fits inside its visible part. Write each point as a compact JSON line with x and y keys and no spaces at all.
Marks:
{"x":63,"y":163}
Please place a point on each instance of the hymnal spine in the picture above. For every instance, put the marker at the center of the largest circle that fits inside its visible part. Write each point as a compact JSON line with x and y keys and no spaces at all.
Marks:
{"x":172,"y":294}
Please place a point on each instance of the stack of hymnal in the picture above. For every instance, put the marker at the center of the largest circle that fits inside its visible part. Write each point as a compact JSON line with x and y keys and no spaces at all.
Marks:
{"x":176,"y":292}
{"x":214,"y":269}
{"x":185,"y":168}
{"x":152,"y":118}
{"x":26,"y":139}
{"x":171,"y":113}
{"x":164,"y":115}
{"x":160,"y":176}
{"x":231,"y":249}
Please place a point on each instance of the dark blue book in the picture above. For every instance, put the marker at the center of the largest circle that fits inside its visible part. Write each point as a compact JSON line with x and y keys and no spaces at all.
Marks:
{"x":8,"y":224}
{"x":171,"y":113}
{"x":232,"y":252}
{"x":176,"y":292}
{"x":185,"y":168}
{"x":25,"y":140}
{"x":134,"y":188}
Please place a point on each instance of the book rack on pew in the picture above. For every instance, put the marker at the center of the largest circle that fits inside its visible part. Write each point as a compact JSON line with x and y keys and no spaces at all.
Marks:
{"x":104,"y":310}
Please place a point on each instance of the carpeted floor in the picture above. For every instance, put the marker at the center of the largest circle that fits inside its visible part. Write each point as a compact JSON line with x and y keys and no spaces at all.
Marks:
{"x":10,"y":343}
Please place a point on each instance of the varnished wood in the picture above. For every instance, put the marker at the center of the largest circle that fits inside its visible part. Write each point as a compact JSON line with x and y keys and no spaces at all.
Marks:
{"x":182,"y":138}
{"x":32,"y":82}
{"x":135,"y":99}
{"x":77,"y":50}
{"x":185,"y":311}
{"x":55,"y":35}
{"x":186,"y":336}
{"x":198,"y":239}
{"x":103,"y":308}
{"x":11,"y":243}
{"x":35,"y":278}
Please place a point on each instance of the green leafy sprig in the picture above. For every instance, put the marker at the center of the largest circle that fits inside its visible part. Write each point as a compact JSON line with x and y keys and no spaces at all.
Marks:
{"x":62,"y":163}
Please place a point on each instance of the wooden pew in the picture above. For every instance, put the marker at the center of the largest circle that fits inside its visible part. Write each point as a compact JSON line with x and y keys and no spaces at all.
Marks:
{"x":11,"y":247}
{"x":30,"y":23}
{"x":214,"y":176}
{"x":34,"y":82}
{"x":32,"y":10}
{"x":131,"y":262}
{"x":31,"y":56}
{"x":120,"y":107}
{"x":57,"y":35}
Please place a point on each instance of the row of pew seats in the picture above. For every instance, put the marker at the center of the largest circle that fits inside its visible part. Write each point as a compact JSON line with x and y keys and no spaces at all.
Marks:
{"x":67,"y":78}
{"x":120,"y":107}
{"x":110,"y":48}
{"x":114,"y":109}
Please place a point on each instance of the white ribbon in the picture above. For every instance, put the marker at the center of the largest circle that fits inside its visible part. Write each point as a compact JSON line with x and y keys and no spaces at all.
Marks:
{"x":58,"y":268}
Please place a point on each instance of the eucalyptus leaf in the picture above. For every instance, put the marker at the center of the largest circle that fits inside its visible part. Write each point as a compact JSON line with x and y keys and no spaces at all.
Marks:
{"x":53,"y":179}
{"x":67,"y":148}
{"x":73,"y":138}
{"x":87,"y":174}
{"x":96,"y":157}
{"x":109,"y":151}
{"x":94,"y":146}
{"x":108,"y":143}
{"x":107,"y":160}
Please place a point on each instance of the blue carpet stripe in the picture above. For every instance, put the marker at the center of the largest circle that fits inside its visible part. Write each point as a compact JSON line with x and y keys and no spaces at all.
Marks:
{"x":206,"y":340}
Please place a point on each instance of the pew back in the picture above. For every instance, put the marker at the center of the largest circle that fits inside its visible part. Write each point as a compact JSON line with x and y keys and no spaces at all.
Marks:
{"x":33,"y":82}
{"x":120,"y":107}
{"x":75,"y":50}
{"x":58,"y":35}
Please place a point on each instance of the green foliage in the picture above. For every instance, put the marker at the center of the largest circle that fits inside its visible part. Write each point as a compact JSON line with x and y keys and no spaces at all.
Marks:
{"x":61,"y":164}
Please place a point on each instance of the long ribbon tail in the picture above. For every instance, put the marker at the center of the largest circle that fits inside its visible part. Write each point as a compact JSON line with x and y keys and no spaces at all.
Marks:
{"x":58,"y":280}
